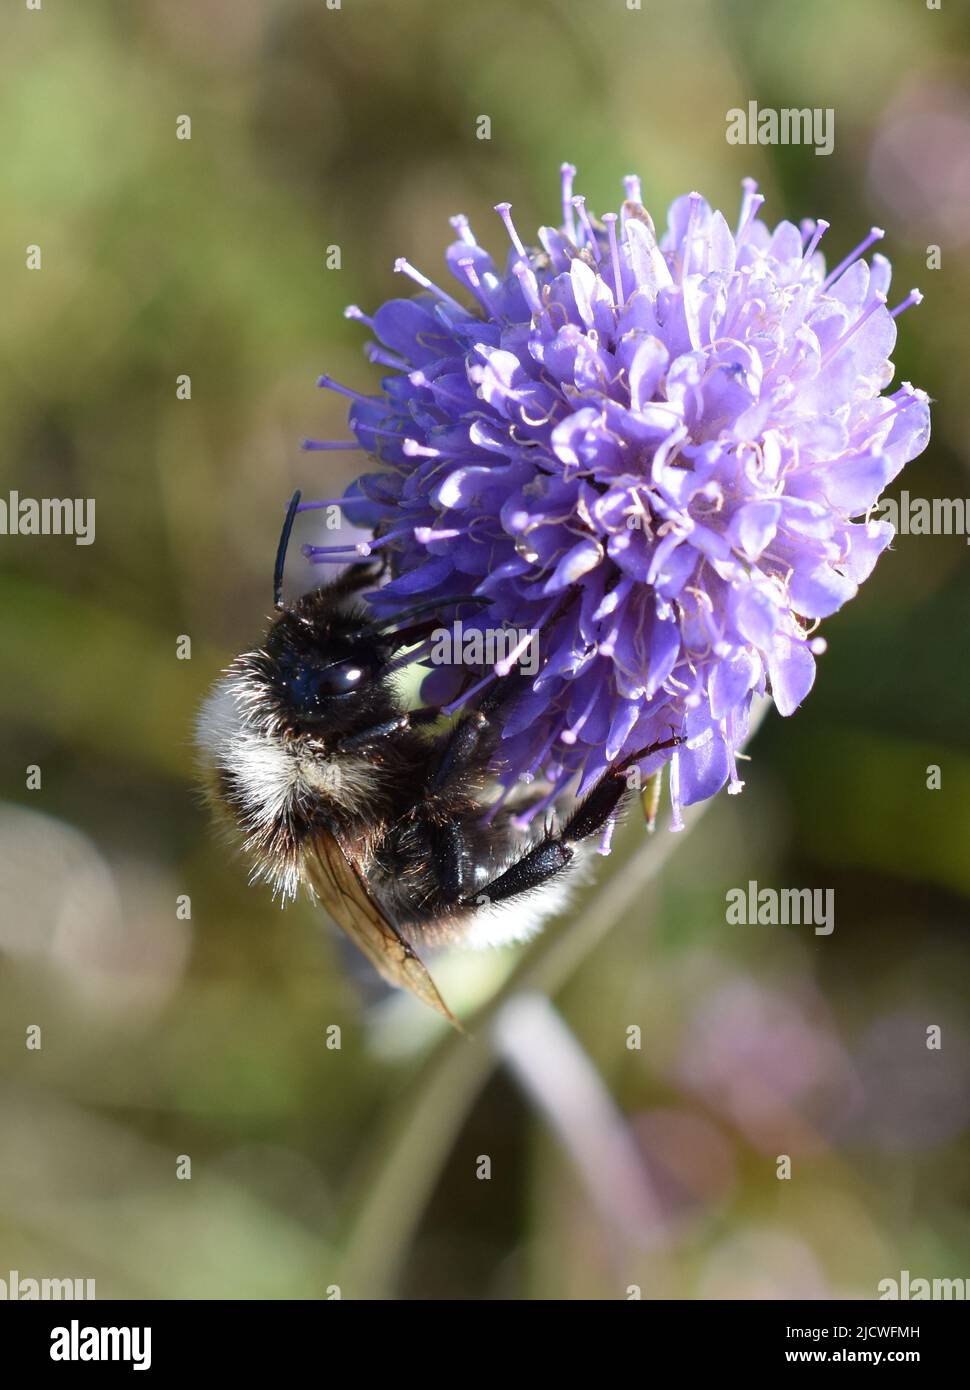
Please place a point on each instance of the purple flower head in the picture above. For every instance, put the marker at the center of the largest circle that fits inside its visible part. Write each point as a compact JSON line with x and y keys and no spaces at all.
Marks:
{"x":659,"y":456}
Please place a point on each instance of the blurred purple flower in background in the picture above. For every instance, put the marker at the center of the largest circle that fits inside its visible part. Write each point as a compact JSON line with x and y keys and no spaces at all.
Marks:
{"x":919,"y":162}
{"x":770,"y":1061}
{"x":659,"y":456}
{"x":914,"y":1097}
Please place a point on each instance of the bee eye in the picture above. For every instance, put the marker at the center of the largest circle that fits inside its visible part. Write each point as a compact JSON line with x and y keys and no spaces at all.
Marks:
{"x":342,"y":678}
{"x":308,"y":687}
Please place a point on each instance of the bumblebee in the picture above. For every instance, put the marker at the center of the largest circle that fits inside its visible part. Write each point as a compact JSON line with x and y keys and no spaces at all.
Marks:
{"x":388,"y":818}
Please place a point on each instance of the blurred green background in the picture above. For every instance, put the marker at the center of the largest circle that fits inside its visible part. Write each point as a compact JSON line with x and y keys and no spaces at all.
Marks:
{"x":207,"y":1037}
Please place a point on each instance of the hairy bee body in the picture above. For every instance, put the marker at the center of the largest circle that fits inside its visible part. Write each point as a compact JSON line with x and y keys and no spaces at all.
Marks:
{"x":394,"y":822}
{"x":284,"y":765}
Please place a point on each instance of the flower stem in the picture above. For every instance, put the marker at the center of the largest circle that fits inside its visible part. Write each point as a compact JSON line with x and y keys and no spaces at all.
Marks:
{"x":400,"y":1175}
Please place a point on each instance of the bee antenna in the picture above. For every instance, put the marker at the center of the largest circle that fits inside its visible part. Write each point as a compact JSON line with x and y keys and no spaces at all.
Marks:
{"x":281,"y":549}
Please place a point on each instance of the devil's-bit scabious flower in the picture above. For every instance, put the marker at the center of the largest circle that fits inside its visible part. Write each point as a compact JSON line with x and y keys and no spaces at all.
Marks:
{"x":659,"y":456}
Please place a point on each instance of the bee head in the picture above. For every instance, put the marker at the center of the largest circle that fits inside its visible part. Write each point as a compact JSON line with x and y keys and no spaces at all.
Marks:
{"x":322,"y":670}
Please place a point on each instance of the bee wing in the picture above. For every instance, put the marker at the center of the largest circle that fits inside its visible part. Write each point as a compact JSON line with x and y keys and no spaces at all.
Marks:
{"x":342,"y":891}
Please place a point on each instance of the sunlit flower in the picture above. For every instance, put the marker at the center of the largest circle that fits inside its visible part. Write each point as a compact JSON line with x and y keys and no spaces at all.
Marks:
{"x":659,"y":456}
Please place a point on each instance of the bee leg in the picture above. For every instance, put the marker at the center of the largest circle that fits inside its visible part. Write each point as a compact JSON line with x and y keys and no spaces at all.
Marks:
{"x":554,"y":853}
{"x":353,"y":743}
{"x":459,"y":750}
{"x":452,"y":860}
{"x":452,"y":839}
{"x":462,"y":745}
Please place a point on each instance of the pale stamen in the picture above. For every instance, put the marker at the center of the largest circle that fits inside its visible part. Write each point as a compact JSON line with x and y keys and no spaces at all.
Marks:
{"x":504,"y":211}
{"x":610,"y":218}
{"x":568,"y":172}
{"x":914,"y":297}
{"x":875,"y":234}
{"x":404,"y":267}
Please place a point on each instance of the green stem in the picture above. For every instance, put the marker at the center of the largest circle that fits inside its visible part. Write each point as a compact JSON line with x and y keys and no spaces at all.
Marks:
{"x":400,"y":1177}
